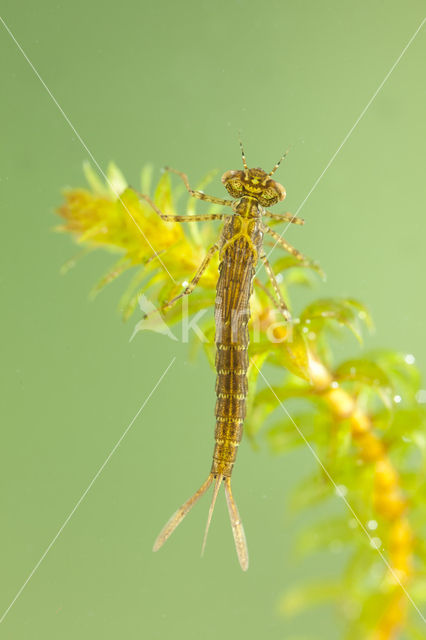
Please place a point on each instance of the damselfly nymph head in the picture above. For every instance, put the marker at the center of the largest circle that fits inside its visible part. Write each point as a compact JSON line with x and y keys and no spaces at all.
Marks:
{"x":255,"y":183}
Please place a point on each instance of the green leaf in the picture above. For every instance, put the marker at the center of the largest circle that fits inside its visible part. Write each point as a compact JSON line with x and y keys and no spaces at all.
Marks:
{"x":298,"y":599}
{"x":256,"y":364}
{"x":129,"y":299}
{"x":310,"y":491}
{"x":415,"y":630}
{"x":283,"y":435}
{"x":128,"y":199}
{"x":299,"y":277}
{"x":375,"y":604}
{"x":71,"y":262}
{"x":369,"y":374}
{"x":118,"y":268}
{"x":163,"y":195}
{"x":95,"y":183}
{"x":146,"y":179}
{"x":402,"y":424}
{"x":348,"y":313}
{"x":296,"y":388}
{"x":194,"y":228}
{"x":364,"y":371}
{"x":256,"y":418}
{"x":290,"y":262}
{"x":117,"y":183}
{"x":331,"y":534}
{"x":363,"y":313}
{"x":400,"y":368}
{"x":209,"y":346}
{"x":418,"y":591}
{"x":293,"y":354}
{"x":201,"y":185}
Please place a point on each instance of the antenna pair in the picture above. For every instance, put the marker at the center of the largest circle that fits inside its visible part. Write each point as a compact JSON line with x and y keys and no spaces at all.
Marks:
{"x":271,"y":172}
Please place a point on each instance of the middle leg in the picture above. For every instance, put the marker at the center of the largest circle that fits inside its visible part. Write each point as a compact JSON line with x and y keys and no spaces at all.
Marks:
{"x":288,"y":247}
{"x":193,"y":283}
{"x":284,"y":217}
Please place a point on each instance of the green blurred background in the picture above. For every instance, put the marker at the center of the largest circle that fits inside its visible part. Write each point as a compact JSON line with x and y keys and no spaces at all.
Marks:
{"x":172,"y":83}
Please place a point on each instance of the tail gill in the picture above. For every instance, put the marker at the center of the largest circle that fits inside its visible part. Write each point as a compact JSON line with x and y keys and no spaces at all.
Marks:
{"x":237,"y":527}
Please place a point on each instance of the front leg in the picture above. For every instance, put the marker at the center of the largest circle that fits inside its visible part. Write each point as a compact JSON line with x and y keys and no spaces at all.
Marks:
{"x":173,"y":218}
{"x":199,"y":194}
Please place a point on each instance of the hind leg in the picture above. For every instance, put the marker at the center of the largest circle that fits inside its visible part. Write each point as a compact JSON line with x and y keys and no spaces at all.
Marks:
{"x":279,"y":301}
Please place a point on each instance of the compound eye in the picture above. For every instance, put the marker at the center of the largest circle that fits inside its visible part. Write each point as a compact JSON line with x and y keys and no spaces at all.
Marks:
{"x":269,"y":193}
{"x":236,"y":185}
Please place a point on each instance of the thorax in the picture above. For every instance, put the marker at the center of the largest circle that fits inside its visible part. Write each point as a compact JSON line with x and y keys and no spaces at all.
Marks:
{"x":244,"y":229}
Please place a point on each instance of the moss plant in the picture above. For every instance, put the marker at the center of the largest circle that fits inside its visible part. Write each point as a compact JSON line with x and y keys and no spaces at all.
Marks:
{"x":364,"y":418}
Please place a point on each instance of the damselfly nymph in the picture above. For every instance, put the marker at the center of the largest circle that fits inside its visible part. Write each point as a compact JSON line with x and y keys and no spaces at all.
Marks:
{"x":240,"y":248}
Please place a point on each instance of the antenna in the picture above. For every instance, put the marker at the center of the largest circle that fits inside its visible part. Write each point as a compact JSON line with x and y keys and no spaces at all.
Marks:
{"x":277,"y":165}
{"x":244,"y":158}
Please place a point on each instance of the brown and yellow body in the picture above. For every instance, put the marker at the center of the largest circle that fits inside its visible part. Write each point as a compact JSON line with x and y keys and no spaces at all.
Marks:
{"x":240,"y":248}
{"x":240,"y":244}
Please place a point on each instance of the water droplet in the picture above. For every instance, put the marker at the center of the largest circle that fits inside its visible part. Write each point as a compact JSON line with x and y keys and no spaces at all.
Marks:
{"x":341,"y":490}
{"x":376,"y":543}
{"x":397,"y":399}
{"x":372,"y":525}
{"x":409,"y":358}
{"x":421,"y":396}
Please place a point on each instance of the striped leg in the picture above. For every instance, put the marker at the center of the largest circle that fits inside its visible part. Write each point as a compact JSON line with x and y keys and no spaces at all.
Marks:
{"x":279,"y":300}
{"x":285,"y":245}
{"x":190,"y":218}
{"x":199,"y":194}
{"x":191,"y":286}
{"x":284,"y":217}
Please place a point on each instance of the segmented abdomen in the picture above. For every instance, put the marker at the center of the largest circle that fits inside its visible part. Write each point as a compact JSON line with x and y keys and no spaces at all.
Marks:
{"x":232,"y":313}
